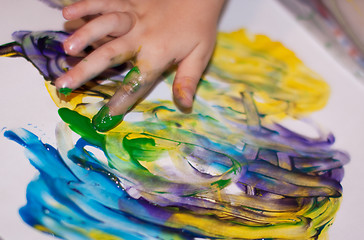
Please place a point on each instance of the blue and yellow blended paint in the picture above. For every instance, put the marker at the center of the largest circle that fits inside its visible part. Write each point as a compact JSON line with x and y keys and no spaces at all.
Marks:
{"x":227,"y":170}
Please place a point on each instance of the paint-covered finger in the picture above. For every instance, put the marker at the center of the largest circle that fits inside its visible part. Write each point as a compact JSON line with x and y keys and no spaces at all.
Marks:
{"x":110,"y":54}
{"x":134,"y":87}
{"x":91,"y":7}
{"x":116,"y":24}
{"x":187,"y":78}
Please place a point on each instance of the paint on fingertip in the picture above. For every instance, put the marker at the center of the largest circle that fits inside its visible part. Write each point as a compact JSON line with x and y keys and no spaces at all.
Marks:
{"x":103,"y":121}
{"x":183,"y":95}
{"x":179,"y":91}
{"x":65,"y":91}
{"x":183,"y":98}
{"x":185,"y":104}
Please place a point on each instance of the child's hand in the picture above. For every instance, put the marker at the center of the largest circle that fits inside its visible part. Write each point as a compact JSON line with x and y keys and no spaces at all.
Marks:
{"x":155,"y":33}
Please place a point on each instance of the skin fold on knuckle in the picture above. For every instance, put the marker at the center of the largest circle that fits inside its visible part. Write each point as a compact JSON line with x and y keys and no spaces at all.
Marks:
{"x":121,"y":22}
{"x":107,"y":53}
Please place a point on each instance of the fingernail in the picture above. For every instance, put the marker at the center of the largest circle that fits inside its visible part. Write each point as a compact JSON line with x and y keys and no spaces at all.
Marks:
{"x":186,"y":102}
{"x":132,"y":76}
{"x":65,"y":91}
{"x":183,"y":99}
{"x":68,"y":12}
{"x":64,"y":82}
{"x":187,"y":96}
{"x":103,"y":121}
{"x":131,"y":82}
{"x":134,"y":72}
{"x":70,"y":45}
{"x":182,"y":94}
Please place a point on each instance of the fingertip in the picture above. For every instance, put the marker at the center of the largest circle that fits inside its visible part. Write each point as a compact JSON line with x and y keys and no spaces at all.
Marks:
{"x":183,"y":96}
{"x":187,"y":78}
{"x":62,"y":85}
{"x":64,"y":82}
{"x":103,"y":121}
{"x":68,"y":12}
{"x":71,"y":45}
{"x":183,"y":106}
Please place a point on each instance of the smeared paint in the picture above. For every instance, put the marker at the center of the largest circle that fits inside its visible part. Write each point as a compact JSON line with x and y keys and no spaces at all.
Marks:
{"x":59,"y":3}
{"x":65,"y":91}
{"x":227,"y":170}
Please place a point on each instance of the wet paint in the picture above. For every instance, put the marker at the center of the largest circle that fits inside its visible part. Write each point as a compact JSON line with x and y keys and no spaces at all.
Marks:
{"x":132,"y":80}
{"x":65,"y":91}
{"x":82,"y":126}
{"x":103,"y":121}
{"x":229,"y":169}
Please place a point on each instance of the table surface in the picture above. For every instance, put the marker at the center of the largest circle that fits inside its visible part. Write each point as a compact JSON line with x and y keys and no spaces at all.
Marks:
{"x":343,"y":115}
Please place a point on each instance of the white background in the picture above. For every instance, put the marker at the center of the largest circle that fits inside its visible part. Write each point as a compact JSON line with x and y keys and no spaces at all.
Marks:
{"x":24,"y":102}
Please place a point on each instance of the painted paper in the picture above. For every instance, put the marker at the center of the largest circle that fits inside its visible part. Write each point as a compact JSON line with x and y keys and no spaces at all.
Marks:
{"x":230,"y":169}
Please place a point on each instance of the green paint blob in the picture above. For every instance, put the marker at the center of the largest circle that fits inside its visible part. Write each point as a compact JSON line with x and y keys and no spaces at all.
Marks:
{"x":82,"y":125}
{"x":142,"y":149}
{"x":103,"y":121}
{"x":138,"y":149}
{"x":65,"y":91}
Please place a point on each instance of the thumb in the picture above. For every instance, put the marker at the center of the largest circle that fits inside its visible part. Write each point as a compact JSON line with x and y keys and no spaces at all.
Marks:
{"x":186,"y":80}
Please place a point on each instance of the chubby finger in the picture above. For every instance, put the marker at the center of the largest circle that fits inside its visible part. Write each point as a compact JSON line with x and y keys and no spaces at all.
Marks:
{"x":110,"y":54}
{"x":115,"y":23}
{"x":91,"y":7}
{"x":188,"y":75}
{"x":134,"y":87}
